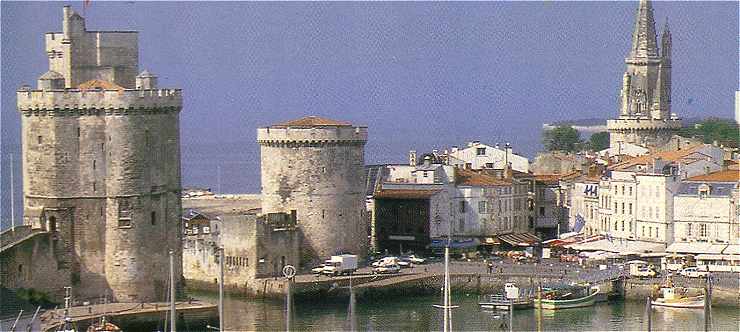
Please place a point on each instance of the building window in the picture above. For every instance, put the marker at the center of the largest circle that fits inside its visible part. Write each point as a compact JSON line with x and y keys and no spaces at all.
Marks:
{"x":622,"y":225}
{"x":461,"y":225}
{"x":462,"y":206}
{"x":622,"y":207}
{"x":688,"y":229}
{"x":623,"y":190}
{"x":78,"y":131}
{"x":489,"y":165}
{"x":480,"y":151}
{"x":94,"y":164}
{"x":426,"y":174}
{"x":643,"y":230}
{"x":615,"y":207}
{"x":95,"y":186}
{"x":542,"y":211}
{"x":630,"y":208}
{"x":482,"y":207}
{"x":153,"y":217}
{"x":38,"y":139}
{"x":615,"y":225}
{"x":102,"y":147}
{"x":630,"y":227}
{"x":630,"y":191}
{"x":703,"y":230}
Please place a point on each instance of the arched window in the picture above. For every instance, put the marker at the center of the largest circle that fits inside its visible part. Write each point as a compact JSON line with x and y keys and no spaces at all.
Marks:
{"x":153,"y":217}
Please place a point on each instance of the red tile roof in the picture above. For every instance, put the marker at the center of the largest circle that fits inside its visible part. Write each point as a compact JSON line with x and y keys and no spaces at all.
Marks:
{"x":730,"y":175}
{"x":648,"y":158}
{"x":99,"y":84}
{"x":548,"y":178}
{"x":464,"y":177}
{"x":405,"y":194}
{"x":313,"y":121}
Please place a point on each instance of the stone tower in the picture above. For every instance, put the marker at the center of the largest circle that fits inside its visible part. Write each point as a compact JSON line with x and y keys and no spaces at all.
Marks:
{"x":645,"y":116}
{"x":101,"y":166}
{"x":314,"y":167}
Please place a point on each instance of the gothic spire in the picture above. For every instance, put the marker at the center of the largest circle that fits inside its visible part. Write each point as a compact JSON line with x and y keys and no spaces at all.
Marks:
{"x":665,"y":41}
{"x":644,"y":40}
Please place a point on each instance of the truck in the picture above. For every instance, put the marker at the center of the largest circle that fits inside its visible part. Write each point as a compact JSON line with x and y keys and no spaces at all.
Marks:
{"x":340,"y":265}
{"x":641,"y":269}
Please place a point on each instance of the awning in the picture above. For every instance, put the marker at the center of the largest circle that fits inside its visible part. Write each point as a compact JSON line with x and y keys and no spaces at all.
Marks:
{"x":619,"y":246}
{"x":520,"y":239}
{"x":708,"y":257}
{"x":696,"y":248}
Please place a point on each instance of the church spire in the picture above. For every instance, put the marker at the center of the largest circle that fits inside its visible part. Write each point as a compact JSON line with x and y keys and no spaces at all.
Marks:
{"x":665,"y":42}
{"x":644,"y":40}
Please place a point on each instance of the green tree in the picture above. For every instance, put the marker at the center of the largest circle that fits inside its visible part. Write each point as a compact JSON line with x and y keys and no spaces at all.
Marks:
{"x":713,"y":129}
{"x":599,"y":141}
{"x":562,"y":138}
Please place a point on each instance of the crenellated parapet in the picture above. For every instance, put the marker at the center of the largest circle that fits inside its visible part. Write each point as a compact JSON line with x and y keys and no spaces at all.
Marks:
{"x":72,"y":102}
{"x":643,"y":124}
{"x":315,"y":136}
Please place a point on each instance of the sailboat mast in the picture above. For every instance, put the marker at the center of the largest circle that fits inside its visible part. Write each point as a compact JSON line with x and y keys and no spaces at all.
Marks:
{"x":173,"y":319}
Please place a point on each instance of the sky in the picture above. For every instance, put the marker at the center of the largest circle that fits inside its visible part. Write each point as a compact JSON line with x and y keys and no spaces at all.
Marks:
{"x":420,"y":75}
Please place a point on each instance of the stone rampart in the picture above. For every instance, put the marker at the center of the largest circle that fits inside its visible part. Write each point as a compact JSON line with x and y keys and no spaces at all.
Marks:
{"x":72,"y":102}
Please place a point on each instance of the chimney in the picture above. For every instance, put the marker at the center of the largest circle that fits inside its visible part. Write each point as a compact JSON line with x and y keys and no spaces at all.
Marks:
{"x":412,"y":158}
{"x":507,"y":157}
{"x":427,"y":161}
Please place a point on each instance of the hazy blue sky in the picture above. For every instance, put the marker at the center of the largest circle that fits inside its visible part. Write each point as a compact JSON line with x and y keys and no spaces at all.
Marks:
{"x":418,"y":75}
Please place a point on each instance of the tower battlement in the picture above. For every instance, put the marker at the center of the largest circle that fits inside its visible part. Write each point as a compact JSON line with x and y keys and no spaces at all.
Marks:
{"x":30,"y":102}
{"x":312,"y":135}
{"x":643,"y":124}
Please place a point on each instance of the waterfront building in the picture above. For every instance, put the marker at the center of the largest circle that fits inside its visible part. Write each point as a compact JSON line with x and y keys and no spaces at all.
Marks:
{"x":552,"y":215}
{"x":415,"y":205}
{"x":705,"y":217}
{"x":313,"y":168}
{"x":101,"y":172}
{"x":477,"y":155}
{"x":645,"y":116}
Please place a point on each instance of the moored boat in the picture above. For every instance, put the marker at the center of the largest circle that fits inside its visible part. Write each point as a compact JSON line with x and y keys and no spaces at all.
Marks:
{"x":511,"y":297}
{"x":677,"y":297}
{"x":554,"y":301}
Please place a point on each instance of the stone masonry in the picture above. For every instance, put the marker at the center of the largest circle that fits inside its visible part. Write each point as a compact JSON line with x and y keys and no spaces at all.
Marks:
{"x":101,"y":168}
{"x":314,"y":168}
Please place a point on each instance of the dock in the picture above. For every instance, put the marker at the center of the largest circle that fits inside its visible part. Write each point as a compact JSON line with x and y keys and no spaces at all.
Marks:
{"x":83,"y":316}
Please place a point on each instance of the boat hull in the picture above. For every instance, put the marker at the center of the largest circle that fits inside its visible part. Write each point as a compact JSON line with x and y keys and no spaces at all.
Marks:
{"x":585,"y":301}
{"x":684,"y":304}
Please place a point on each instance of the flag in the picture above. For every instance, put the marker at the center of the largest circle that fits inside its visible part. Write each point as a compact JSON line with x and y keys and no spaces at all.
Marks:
{"x":578,"y":225}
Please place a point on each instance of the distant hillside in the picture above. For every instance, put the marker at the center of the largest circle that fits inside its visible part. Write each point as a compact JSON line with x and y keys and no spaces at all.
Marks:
{"x":593,"y":125}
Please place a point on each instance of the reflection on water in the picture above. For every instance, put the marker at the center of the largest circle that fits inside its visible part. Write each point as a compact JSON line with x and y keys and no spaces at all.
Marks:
{"x":417,"y":314}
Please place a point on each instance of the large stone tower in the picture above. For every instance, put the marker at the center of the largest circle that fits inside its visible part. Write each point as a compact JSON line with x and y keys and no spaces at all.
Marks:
{"x":645,"y":116}
{"x":314,"y":167}
{"x":101,"y":166}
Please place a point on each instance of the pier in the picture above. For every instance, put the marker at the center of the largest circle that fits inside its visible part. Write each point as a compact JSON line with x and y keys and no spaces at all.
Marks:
{"x":83,"y":316}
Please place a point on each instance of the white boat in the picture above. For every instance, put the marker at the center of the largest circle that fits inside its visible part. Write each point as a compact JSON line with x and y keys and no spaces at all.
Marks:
{"x":669,"y":298}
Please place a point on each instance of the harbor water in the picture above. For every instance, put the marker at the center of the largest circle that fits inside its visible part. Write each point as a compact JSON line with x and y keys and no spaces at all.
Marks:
{"x":418,"y":314}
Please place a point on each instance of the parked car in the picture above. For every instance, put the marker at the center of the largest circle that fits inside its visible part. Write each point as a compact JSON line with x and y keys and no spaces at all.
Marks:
{"x":693,"y":272}
{"x":318,"y":269}
{"x":416,"y":259}
{"x":405,"y":263}
{"x":387,"y":269}
{"x":642,"y":269}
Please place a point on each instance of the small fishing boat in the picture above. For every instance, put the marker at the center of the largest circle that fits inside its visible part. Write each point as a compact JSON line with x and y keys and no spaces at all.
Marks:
{"x":511,"y":297}
{"x":555,"y":300}
{"x":677,"y":297}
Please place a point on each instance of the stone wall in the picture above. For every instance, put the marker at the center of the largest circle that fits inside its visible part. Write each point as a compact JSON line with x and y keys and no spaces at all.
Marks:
{"x":318,"y":173}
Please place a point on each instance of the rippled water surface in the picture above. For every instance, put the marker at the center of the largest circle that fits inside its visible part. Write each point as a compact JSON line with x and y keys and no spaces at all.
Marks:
{"x":417,"y":314}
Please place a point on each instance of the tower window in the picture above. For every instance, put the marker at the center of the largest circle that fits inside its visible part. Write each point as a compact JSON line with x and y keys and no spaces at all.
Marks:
{"x":153,"y":217}
{"x":102,"y":147}
{"x":94,"y":164}
{"x":94,"y":186}
{"x":39,"y":139}
{"x":78,"y":131}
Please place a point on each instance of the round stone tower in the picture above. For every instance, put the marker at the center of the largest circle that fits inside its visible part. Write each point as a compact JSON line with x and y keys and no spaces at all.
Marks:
{"x":101,"y":168}
{"x":314,"y":168}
